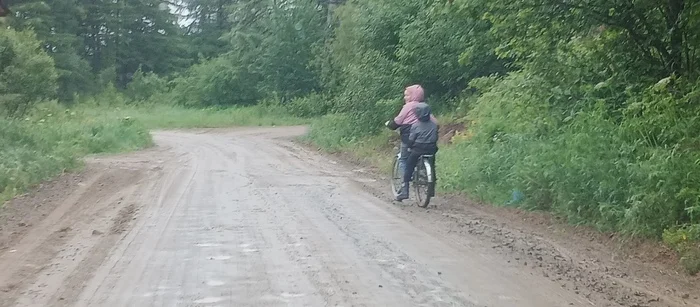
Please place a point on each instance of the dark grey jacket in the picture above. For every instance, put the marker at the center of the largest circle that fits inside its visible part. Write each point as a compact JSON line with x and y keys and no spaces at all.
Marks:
{"x":423,"y":135}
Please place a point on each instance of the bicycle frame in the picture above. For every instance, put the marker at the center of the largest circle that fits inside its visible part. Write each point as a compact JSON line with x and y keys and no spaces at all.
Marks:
{"x":424,"y":160}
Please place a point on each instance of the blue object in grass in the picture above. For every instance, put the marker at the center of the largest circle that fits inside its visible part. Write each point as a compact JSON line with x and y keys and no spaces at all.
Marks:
{"x":516,"y":197}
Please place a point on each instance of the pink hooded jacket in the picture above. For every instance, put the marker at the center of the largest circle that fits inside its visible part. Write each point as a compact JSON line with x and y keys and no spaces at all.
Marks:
{"x":413,"y":95}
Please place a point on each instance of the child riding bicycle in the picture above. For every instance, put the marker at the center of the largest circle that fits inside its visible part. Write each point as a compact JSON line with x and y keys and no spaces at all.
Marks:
{"x":419,"y":136}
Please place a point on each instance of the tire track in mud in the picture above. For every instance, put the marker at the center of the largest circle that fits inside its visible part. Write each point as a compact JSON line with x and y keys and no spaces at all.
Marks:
{"x":64,"y":239}
{"x":159,"y":207}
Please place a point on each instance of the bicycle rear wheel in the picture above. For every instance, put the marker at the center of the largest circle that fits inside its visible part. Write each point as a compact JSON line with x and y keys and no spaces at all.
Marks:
{"x":422,"y":182}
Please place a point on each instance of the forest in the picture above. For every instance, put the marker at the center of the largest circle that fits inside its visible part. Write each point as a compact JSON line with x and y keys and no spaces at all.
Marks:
{"x":588,"y":109}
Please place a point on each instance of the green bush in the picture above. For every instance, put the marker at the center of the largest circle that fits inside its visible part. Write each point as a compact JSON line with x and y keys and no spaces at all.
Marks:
{"x":333,"y":132}
{"x":372,"y":93}
{"x":309,"y":106}
{"x":223,"y":81}
{"x":456,"y":55}
{"x":108,"y":97}
{"x":143,"y":86}
{"x":633,"y":175}
{"x":27,"y":73}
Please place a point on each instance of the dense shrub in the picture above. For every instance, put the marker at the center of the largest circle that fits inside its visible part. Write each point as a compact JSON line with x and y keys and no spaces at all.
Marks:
{"x":218,"y":82}
{"x":633,"y":176}
{"x":144,"y":86}
{"x":27,"y":73}
{"x":313,"y":105}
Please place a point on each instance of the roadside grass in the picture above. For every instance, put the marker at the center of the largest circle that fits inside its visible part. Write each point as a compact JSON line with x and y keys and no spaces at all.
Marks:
{"x":335,"y":134}
{"x":171,"y":117}
{"x":52,"y":139}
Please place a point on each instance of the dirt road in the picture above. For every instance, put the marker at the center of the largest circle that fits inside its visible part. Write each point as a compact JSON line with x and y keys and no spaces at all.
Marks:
{"x":246,"y":218}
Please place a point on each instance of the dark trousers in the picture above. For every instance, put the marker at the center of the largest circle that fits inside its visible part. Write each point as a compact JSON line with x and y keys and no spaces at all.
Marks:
{"x":412,"y":161}
{"x":403,"y":156}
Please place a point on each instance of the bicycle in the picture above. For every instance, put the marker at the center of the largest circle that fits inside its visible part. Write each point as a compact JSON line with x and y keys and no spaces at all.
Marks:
{"x":422,"y":180}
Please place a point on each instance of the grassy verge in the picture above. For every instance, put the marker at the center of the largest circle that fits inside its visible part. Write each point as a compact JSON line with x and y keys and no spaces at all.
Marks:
{"x":168,"y":117}
{"x":53,"y":139}
{"x":684,"y":240}
{"x":335,"y":134}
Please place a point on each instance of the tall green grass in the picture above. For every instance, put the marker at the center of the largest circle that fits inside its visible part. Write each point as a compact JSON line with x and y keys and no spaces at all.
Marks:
{"x":53,"y":139}
{"x":336,"y":133}
{"x":169,"y":116}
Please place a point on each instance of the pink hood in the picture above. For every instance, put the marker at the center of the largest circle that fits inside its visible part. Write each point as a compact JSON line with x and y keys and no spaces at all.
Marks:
{"x":412,"y":96}
{"x":414,"y":93}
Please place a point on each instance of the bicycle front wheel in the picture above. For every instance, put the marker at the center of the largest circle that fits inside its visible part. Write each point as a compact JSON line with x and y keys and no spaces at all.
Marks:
{"x":396,"y":180}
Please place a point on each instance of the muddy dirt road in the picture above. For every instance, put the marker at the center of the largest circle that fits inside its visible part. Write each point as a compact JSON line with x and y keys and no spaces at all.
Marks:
{"x":246,"y":218}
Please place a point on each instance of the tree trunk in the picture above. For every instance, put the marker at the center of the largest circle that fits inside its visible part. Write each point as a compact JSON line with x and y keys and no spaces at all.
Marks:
{"x":4,"y":10}
{"x":675,"y":27}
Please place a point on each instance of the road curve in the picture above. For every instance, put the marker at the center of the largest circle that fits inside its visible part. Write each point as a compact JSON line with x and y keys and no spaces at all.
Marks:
{"x":245,"y":217}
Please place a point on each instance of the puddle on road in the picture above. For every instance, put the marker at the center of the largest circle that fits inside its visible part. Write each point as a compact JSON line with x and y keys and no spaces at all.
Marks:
{"x":506,"y":298}
{"x":209,"y":300}
{"x":364,"y":180}
{"x":215,"y":283}
{"x":220,"y":258}
{"x":208,"y":244}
